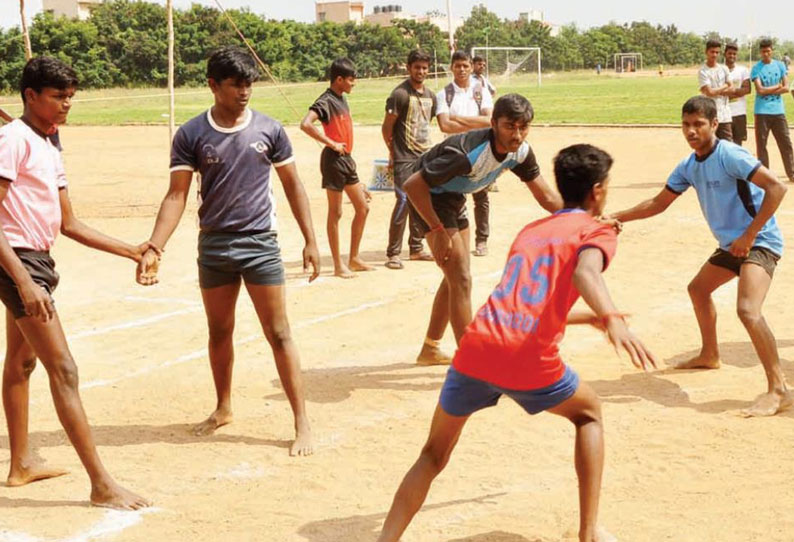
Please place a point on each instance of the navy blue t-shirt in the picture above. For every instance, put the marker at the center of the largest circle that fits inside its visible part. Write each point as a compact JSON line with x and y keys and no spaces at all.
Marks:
{"x":234,"y":165}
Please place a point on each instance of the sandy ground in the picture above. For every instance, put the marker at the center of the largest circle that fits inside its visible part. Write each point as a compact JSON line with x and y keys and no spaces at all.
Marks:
{"x":680,"y":465}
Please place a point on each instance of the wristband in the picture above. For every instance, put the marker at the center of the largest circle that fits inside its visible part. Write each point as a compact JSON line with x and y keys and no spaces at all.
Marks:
{"x":437,"y":227}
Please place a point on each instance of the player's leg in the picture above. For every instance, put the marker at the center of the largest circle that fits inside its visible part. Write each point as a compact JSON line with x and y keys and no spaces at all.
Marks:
{"x":583,"y":409}
{"x":444,"y":433}
{"x":783,"y":139}
{"x":332,"y":228}
{"x":361,"y":208}
{"x":482,"y":217}
{"x":762,"y":128}
{"x":399,"y":218}
{"x":457,"y":272}
{"x":20,"y":361}
{"x":49,"y":345}
{"x":754,"y":282}
{"x":710,"y":277}
{"x":271,"y":308}
{"x":219,"y":306}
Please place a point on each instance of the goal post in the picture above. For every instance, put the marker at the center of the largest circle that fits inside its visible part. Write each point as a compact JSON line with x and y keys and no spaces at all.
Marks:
{"x":627,"y":62}
{"x":502,"y":62}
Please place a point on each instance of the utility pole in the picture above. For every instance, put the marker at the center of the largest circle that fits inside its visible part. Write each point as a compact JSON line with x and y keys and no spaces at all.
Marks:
{"x":25,"y":34}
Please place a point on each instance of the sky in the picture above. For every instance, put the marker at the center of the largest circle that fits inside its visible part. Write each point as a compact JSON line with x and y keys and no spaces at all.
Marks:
{"x":734,"y":18}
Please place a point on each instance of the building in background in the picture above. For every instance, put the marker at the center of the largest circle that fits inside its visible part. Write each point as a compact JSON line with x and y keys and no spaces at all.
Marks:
{"x":338,"y":11}
{"x":384,"y":15}
{"x":74,"y":9}
{"x":537,"y":15}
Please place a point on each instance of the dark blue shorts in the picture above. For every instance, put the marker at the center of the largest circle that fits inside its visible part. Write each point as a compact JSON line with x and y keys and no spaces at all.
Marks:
{"x":224,"y":258}
{"x":463,"y":395}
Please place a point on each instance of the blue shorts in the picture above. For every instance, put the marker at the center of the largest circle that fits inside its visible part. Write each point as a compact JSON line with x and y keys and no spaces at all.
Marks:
{"x":223,"y":258}
{"x":463,"y":395}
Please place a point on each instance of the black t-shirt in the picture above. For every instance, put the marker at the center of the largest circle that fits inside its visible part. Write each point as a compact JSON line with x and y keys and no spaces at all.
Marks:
{"x":414,"y":110}
{"x":334,"y":113}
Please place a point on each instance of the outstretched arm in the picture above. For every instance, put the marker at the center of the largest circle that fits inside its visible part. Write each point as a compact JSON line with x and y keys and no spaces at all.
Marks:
{"x":73,"y":228}
{"x":5,"y":116}
{"x":648,"y":208}
{"x":588,"y":280}
{"x":299,"y":205}
{"x":548,"y":198}
{"x":774,"y":191}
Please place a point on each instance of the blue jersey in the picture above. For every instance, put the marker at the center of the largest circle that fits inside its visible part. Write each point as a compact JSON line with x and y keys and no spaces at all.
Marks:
{"x":465,"y":163}
{"x":728,"y":199}
{"x":770,"y":74}
{"x":234,"y":165}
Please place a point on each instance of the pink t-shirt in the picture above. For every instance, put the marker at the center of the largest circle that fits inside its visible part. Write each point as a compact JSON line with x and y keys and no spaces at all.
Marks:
{"x":30,"y":214}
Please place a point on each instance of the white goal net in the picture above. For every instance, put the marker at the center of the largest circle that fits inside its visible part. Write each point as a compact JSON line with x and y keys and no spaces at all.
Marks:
{"x":504,"y":63}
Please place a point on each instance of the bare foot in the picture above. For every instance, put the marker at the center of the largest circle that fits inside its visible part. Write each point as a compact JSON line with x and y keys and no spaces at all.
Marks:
{"x":303,"y":444}
{"x":600,"y":535}
{"x":769,"y":404}
{"x":344,"y":272}
{"x":701,"y":361}
{"x":432,"y":355}
{"x":357,"y":264}
{"x":217,"y":419}
{"x":115,"y":496}
{"x":20,"y":476}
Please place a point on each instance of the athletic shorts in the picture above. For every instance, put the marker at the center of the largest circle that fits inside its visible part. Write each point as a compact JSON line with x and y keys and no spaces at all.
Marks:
{"x":450,"y":208}
{"x":224,"y":258}
{"x":725,"y":131}
{"x":42,"y":270}
{"x":463,"y":395}
{"x":338,"y":170}
{"x":739,"y":128}
{"x":758,"y":255}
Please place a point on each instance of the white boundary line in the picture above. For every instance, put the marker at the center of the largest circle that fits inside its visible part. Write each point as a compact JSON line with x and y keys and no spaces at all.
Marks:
{"x":112,"y":522}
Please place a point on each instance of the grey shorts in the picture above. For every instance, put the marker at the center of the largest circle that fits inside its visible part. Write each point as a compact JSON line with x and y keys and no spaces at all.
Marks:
{"x":225,"y":258}
{"x":42,"y":270}
{"x":758,"y":255}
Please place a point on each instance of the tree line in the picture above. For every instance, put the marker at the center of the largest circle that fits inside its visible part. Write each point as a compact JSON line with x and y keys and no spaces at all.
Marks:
{"x":124,"y":44}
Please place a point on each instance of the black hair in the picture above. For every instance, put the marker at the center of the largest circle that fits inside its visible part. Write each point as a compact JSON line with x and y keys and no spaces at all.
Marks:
{"x":342,"y":67}
{"x":731,"y":46}
{"x":417,"y":55}
{"x":712,"y":43}
{"x":700,"y":105}
{"x":460,"y":56}
{"x":232,"y":62}
{"x":765,"y":42}
{"x":44,"y":71}
{"x":514,"y":107}
{"x":577,"y":169}
{"x":478,"y":58}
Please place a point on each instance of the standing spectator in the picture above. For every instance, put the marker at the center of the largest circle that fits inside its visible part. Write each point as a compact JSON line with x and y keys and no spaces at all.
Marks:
{"x":771,"y":82}
{"x":478,"y":69}
{"x":714,"y":81}
{"x":740,"y":80}
{"x":406,"y":131}
{"x":464,"y":105}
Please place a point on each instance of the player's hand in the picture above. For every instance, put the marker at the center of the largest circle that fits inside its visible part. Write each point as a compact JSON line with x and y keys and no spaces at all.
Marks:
{"x":141,"y":249}
{"x":623,"y":339}
{"x":311,"y":258}
{"x":741,"y":246}
{"x":616,"y":224}
{"x":440,"y":244}
{"x":339,"y":147}
{"x":391,"y":161}
{"x":37,"y":301}
{"x":148,"y":266}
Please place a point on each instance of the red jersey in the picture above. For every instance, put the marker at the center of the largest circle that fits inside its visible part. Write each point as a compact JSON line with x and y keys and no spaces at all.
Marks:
{"x":513,"y":341}
{"x":332,"y":110}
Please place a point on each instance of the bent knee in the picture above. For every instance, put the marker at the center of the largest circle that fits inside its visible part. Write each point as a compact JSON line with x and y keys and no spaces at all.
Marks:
{"x":20,"y":368}
{"x":434,"y":458}
{"x":748,"y":314}
{"x":278,"y":336}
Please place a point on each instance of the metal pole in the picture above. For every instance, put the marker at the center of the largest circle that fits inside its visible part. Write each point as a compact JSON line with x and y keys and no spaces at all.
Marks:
{"x":449,"y":27}
{"x":25,"y":34}
{"x":539,"y":60}
{"x":171,"y":105}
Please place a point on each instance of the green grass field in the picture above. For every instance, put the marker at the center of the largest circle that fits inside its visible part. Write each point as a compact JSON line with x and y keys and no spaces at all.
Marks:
{"x":563,"y":98}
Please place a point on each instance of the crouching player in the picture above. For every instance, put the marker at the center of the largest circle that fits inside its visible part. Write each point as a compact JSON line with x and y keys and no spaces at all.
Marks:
{"x":512,"y":345}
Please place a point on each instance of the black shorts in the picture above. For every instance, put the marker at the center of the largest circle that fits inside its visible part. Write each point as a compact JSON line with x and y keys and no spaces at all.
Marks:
{"x":450,"y":208}
{"x":758,"y":255}
{"x":739,"y":127}
{"x":42,"y":270}
{"x":224,"y":258}
{"x":338,"y":170}
{"x":724,"y":131}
